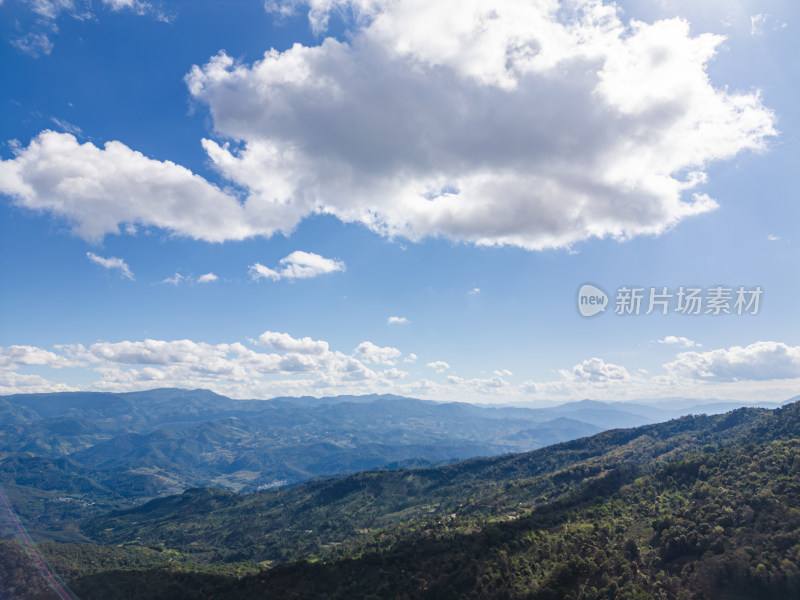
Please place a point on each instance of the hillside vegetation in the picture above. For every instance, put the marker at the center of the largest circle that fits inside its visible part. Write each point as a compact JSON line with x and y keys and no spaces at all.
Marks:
{"x":702,"y":507}
{"x":68,"y":456}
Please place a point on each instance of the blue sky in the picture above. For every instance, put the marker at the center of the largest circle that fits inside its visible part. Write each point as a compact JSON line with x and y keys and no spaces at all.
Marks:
{"x":291,"y":198}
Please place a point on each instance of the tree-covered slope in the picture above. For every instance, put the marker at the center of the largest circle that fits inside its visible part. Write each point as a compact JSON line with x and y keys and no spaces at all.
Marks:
{"x":721,"y":525}
{"x":305,"y":520}
{"x":699,"y":507}
{"x":65,"y":456}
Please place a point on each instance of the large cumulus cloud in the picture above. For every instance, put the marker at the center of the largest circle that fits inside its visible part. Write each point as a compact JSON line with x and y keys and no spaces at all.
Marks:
{"x":536,"y":124}
{"x":760,"y":361}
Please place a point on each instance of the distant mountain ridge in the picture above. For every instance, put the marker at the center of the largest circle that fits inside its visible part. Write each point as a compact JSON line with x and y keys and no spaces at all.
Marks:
{"x":174,"y":406}
{"x":701,"y":507}
{"x":108,"y":450}
{"x":697,"y":507}
{"x":480,"y":486}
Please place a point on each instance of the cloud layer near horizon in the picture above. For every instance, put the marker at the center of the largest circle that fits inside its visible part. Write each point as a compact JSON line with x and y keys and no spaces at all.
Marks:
{"x":300,"y":366}
{"x":531,"y":124}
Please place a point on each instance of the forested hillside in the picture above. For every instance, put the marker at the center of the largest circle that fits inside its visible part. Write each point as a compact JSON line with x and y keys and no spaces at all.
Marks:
{"x":67,"y":456}
{"x":699,"y":507}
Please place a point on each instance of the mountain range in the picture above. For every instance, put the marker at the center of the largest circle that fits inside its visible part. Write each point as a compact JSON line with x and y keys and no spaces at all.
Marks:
{"x":696,"y":507}
{"x":144,"y":444}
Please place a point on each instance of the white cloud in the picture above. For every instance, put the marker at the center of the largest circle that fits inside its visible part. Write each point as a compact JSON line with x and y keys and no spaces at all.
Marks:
{"x":258,"y":271}
{"x":186,"y":360}
{"x":491,"y":385}
{"x":135,"y":5}
{"x":174,"y":279}
{"x":475,"y":290}
{"x":758,"y":362}
{"x":12,"y":357}
{"x":370,"y":353}
{"x":158,"y":352}
{"x":16,"y":383}
{"x":757,"y":23}
{"x":34,"y":44}
{"x":773,"y":238}
{"x":596,"y":370}
{"x":233,"y":366}
{"x":679,"y":341}
{"x":51,"y":9}
{"x":410,"y":358}
{"x":67,"y":126}
{"x":46,"y":14}
{"x":177,"y":279}
{"x":97,"y":190}
{"x":439,"y":366}
{"x":302,"y":265}
{"x":298,"y":265}
{"x":140,"y":7}
{"x":503,"y":373}
{"x":761,"y":20}
{"x":397,"y":321}
{"x":300,"y":366}
{"x":569,"y":124}
{"x":112,"y":263}
{"x":283,"y":342}
{"x":394,"y":373}
{"x":590,"y":376}
{"x":207,"y":278}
